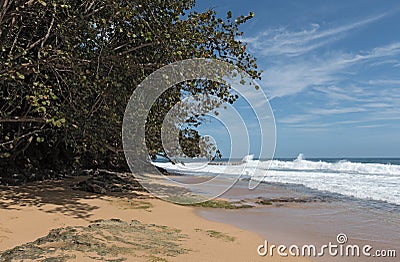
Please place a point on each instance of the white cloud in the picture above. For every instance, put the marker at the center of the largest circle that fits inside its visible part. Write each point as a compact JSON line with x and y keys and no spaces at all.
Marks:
{"x":333,"y":79}
{"x":395,"y":82}
{"x":292,"y":68}
{"x":370,"y":126}
{"x":387,"y":51}
{"x":370,"y":114}
{"x":306,"y":119}
{"x":326,"y":125}
{"x":336,"y":93}
{"x":291,"y":76}
{"x":280,"y":41}
{"x":294,"y":119}
{"x":378,"y":105}
{"x":335,"y":111}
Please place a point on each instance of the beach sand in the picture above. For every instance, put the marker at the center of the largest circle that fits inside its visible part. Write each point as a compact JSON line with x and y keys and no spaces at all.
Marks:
{"x":160,"y":231}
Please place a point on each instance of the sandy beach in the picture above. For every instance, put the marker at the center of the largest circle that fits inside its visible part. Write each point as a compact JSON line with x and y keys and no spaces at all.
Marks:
{"x":51,"y":220}
{"x":93,"y":227}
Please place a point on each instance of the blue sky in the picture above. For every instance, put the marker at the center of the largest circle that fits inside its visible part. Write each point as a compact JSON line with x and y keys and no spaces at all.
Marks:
{"x":331,"y":72}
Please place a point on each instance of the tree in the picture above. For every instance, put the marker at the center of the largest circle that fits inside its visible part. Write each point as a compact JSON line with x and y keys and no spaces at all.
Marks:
{"x":68,"y":68}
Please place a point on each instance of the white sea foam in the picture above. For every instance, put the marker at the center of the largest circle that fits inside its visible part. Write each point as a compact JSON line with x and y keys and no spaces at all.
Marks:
{"x":248,"y":158}
{"x":361,"y":180}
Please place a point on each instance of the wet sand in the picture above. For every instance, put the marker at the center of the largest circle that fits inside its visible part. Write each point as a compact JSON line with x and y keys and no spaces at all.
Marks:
{"x":316,"y":222}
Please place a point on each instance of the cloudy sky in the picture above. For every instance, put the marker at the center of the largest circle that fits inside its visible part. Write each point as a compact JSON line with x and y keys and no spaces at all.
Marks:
{"x":331,"y":72}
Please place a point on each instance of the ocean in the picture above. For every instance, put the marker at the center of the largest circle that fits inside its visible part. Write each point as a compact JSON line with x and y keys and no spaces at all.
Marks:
{"x":368,"y":180}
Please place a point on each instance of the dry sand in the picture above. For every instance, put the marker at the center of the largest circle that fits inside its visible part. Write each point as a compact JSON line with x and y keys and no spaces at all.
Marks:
{"x":30,"y":212}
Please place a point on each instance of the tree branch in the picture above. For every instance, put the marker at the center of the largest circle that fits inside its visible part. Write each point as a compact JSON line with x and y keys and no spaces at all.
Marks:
{"x":23,"y":120}
{"x":137,"y":48}
{"x":41,"y":40}
{"x":21,"y":137}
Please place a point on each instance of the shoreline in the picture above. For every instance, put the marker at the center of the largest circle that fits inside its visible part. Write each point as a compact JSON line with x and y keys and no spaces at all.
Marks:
{"x":30,"y":212}
{"x":315,"y":222}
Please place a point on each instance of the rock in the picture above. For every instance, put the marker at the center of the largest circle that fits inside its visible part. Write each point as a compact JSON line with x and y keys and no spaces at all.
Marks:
{"x":103,"y":182}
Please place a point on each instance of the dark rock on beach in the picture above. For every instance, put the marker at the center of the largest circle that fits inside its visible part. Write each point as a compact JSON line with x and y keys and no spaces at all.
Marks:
{"x":103,"y":182}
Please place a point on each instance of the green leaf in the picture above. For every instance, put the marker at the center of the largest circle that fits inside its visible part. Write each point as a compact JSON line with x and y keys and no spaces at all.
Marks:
{"x":5,"y":155}
{"x":20,"y":76}
{"x":43,"y":3}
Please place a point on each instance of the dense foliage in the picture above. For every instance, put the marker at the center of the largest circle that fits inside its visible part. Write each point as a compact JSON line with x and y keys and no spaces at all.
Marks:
{"x":68,"y":68}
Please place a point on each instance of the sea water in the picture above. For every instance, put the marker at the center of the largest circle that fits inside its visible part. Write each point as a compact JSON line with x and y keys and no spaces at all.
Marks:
{"x":369,"y":179}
